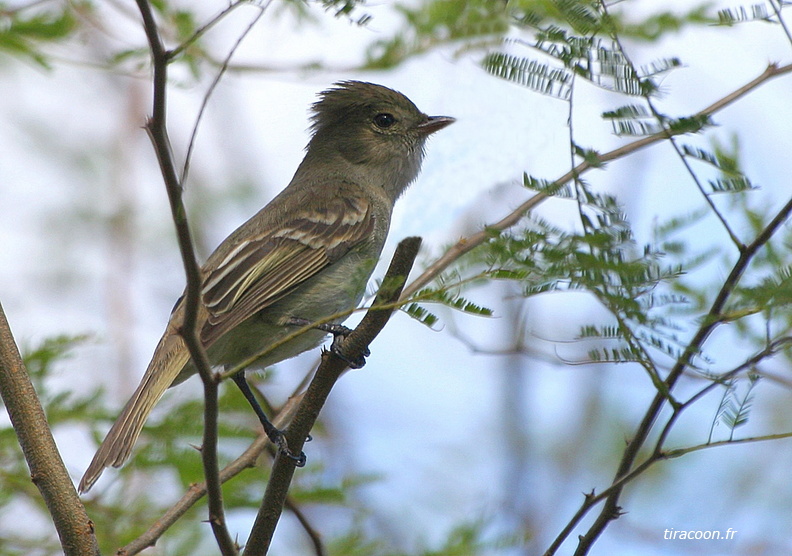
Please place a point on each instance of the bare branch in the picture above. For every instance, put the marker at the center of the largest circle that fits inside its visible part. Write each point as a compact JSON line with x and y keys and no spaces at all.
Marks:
{"x":330,"y":369}
{"x":157,"y":130}
{"x":47,"y":470}
{"x":215,"y":81}
{"x":246,"y":460}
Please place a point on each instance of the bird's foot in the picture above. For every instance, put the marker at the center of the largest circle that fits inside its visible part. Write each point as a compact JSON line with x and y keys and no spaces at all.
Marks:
{"x":279,"y":439}
{"x":339,"y":332}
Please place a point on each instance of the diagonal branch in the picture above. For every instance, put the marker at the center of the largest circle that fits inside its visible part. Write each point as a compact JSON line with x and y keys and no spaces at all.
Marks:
{"x":710,"y":322}
{"x":330,"y":369}
{"x":47,"y":470}
{"x":196,"y":492}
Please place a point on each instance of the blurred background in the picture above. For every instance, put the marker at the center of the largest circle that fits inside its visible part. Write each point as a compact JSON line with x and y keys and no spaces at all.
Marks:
{"x":478,"y":435}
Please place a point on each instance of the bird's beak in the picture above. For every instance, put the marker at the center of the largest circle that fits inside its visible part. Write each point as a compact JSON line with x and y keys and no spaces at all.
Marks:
{"x":435,"y":123}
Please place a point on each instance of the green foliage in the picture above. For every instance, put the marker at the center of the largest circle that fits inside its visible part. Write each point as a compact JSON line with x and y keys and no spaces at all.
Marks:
{"x":651,"y":299}
{"x":736,"y":414}
{"x":165,"y":451}
{"x":25,"y":32}
{"x":636,"y":120}
{"x":347,"y":8}
{"x":742,"y":14}
{"x":421,"y":314}
{"x":733,"y":411}
{"x":547,"y":187}
{"x":439,"y":22}
{"x":577,"y":36}
{"x":661,"y":24}
{"x":446,"y":295}
{"x":529,"y":73}
{"x":604,"y":260}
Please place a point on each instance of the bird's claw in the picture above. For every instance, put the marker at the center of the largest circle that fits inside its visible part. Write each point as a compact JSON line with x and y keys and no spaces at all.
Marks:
{"x":339,"y":332}
{"x":357,"y":362}
{"x":279,"y":439}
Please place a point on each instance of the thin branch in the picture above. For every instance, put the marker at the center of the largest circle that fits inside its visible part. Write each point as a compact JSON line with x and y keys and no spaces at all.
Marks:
{"x":313,"y":534}
{"x":330,"y":369}
{"x":201,"y":31}
{"x":659,"y":452}
{"x":156,"y":126}
{"x":709,"y":323}
{"x":244,"y":461}
{"x":47,"y":470}
{"x":679,"y":452}
{"x":708,"y":198}
{"x":469,"y":243}
{"x":770,"y":350}
{"x":611,"y":510}
{"x":665,"y":130}
{"x":215,"y":81}
{"x":777,"y":7}
{"x":196,"y":492}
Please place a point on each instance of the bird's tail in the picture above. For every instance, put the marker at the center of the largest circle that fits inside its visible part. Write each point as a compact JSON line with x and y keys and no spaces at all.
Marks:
{"x":169,"y":359}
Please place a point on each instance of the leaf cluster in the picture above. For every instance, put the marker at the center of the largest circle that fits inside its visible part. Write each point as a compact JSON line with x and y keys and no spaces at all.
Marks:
{"x":575,"y":39}
{"x":26,"y":32}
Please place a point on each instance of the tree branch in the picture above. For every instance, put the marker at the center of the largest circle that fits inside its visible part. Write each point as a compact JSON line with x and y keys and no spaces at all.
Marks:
{"x":246,"y":460}
{"x":610,"y":509}
{"x":47,"y":470}
{"x":330,"y":369}
{"x":156,"y":126}
{"x":659,"y":452}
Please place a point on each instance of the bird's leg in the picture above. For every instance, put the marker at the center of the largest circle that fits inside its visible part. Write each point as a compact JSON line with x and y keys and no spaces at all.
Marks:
{"x":339,"y":332}
{"x":274,"y":433}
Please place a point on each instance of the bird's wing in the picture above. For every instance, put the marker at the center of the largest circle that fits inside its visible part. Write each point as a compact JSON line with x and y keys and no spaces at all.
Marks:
{"x":262,"y":269}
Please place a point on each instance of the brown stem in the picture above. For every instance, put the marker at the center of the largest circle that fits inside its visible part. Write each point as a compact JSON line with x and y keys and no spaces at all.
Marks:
{"x":330,"y":369}
{"x":47,"y":471}
{"x":157,"y":130}
{"x":197,"y":491}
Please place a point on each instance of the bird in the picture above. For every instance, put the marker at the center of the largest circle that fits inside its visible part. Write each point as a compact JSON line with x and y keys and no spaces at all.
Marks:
{"x":306,"y":256}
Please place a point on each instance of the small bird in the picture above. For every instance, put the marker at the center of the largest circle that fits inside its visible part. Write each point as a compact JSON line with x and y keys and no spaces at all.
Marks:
{"x":305,"y":256}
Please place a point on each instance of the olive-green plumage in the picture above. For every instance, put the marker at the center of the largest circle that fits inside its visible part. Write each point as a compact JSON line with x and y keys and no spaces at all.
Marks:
{"x":307,"y":255}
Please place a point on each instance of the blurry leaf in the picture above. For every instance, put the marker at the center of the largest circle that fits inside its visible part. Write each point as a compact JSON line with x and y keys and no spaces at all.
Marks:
{"x":23,"y":36}
{"x":438,"y":22}
{"x":731,"y":185}
{"x":420,"y":314}
{"x":733,"y":16}
{"x":529,"y":73}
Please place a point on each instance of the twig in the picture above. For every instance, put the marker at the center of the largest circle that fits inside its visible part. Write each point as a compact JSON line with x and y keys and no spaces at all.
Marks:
{"x":215,"y":81}
{"x":201,"y":31}
{"x":47,"y":470}
{"x":313,"y":534}
{"x":778,"y":5}
{"x":659,"y":451}
{"x":710,"y":322}
{"x":197,"y":491}
{"x":330,"y":369}
{"x":156,"y":127}
{"x":610,"y":509}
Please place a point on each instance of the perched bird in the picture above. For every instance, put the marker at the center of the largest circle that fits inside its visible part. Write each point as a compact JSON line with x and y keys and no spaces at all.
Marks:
{"x":305,"y":256}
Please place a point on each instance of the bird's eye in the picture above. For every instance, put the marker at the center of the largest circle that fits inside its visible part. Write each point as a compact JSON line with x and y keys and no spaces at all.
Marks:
{"x":384,"y":120}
